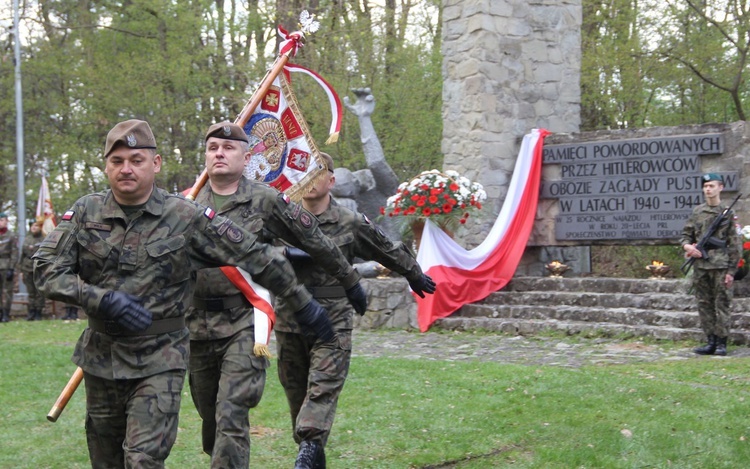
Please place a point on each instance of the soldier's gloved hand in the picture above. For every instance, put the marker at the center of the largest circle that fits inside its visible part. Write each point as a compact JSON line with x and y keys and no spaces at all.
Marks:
{"x":315,"y":317}
{"x":422,"y":284}
{"x":296,"y":254}
{"x":9,"y":275}
{"x":358,"y":298}
{"x":126,"y":310}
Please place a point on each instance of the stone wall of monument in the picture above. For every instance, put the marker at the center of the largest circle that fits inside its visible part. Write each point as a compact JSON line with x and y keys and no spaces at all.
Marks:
{"x":510,"y":66}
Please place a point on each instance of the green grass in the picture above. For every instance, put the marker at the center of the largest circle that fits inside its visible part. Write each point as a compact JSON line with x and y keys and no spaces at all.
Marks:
{"x":399,"y":413}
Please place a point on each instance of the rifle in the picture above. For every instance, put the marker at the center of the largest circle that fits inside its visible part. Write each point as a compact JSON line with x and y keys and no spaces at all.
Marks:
{"x":65,"y":395}
{"x":708,"y":240}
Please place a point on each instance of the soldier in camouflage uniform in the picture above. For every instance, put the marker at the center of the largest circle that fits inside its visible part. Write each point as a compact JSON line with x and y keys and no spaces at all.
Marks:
{"x":226,"y":378}
{"x":8,"y":263}
{"x":128,"y":257}
{"x":31,"y":244}
{"x":713,"y":275}
{"x":313,"y":372}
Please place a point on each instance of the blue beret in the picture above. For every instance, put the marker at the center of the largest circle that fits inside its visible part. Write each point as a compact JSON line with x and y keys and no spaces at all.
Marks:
{"x":3,"y":215}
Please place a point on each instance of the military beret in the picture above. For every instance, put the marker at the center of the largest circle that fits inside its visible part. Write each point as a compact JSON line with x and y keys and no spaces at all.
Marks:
{"x":327,"y":160}
{"x":132,"y":133}
{"x":712,"y":177}
{"x":227,"y":131}
{"x":3,"y":215}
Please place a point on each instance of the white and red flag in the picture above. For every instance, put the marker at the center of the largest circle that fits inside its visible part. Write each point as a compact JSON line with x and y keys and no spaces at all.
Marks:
{"x":462,"y":276}
{"x":44,"y":211}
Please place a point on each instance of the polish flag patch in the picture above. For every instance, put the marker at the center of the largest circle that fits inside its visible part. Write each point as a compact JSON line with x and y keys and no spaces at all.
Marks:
{"x":68,"y":215}
{"x":209,"y":213}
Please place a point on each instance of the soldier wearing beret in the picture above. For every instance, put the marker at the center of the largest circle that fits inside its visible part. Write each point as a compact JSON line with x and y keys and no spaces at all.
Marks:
{"x":313,"y":372}
{"x":226,"y":378}
{"x":8,"y":263}
{"x":713,"y":274}
{"x":31,"y":244}
{"x":128,"y":257}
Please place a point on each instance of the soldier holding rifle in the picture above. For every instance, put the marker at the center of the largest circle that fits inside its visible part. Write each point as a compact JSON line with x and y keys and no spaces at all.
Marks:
{"x":714,"y":264}
{"x":128,"y":256}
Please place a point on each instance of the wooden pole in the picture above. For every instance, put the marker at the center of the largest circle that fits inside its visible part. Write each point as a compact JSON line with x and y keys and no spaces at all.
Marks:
{"x":65,"y":395}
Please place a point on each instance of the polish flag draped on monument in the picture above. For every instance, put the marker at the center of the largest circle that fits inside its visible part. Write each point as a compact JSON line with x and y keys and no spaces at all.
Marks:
{"x":462,"y":276}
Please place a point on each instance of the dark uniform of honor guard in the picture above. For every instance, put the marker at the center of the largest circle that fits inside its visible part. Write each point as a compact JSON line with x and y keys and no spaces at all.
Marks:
{"x":31,"y":244}
{"x":311,"y":371}
{"x":226,"y":378}
{"x":713,"y":275}
{"x":8,"y":263}
{"x":128,"y":257}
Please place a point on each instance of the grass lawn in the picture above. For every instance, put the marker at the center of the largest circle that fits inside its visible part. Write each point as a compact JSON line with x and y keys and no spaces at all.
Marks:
{"x":401,"y":413}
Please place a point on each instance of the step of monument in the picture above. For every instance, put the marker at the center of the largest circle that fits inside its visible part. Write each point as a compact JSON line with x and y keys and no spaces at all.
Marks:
{"x":537,"y":326}
{"x":598,"y":284}
{"x":650,"y":300}
{"x":613,"y":315}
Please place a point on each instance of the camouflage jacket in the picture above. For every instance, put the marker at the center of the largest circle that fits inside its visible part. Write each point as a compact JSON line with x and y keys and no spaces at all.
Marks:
{"x":8,"y":250}
{"x":265,"y":212}
{"x":698,"y":222}
{"x":154,"y":256}
{"x":31,"y":244}
{"x":357,"y":237}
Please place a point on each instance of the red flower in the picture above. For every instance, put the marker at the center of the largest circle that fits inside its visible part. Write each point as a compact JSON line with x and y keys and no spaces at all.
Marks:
{"x":426,"y":211}
{"x":433,"y":199}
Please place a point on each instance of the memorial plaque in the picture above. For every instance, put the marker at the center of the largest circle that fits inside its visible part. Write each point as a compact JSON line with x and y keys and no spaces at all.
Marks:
{"x":629,"y":189}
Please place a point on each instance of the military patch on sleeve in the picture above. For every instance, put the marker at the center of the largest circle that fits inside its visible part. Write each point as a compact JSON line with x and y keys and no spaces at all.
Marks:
{"x":53,"y":239}
{"x":234,"y":234}
{"x":367,"y":220}
{"x":209,"y":213}
{"x":68,"y":215}
{"x":305,"y":219}
{"x":285,"y":198}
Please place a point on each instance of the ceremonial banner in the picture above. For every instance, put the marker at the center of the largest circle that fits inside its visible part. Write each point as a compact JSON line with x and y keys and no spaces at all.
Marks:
{"x":283,"y":153}
{"x":44,"y":211}
{"x":462,"y":276}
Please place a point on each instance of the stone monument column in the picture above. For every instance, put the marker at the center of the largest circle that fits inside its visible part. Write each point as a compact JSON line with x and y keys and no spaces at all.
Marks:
{"x":509,"y":66}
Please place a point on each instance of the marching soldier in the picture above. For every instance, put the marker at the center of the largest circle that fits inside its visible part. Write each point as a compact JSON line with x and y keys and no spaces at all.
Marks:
{"x":226,"y":378}
{"x":128,"y":257}
{"x":311,"y":371}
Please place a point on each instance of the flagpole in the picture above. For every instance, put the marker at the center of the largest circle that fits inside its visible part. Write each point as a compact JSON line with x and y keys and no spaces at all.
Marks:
{"x":21,"y":228}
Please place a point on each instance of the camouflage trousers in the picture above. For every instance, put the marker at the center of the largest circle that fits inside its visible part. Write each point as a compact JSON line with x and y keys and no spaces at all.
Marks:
{"x":714,"y":301}
{"x":226,"y":381}
{"x":132,"y":423}
{"x":36,"y":300}
{"x":6,"y":290}
{"x":313,"y":375}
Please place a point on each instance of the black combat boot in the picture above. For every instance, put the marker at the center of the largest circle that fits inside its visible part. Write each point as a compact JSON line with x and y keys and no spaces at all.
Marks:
{"x":71,"y":312}
{"x":309,"y":455}
{"x":32,"y":315}
{"x":39,"y":314}
{"x":5,"y":317}
{"x":709,"y":348}
{"x":721,"y":346}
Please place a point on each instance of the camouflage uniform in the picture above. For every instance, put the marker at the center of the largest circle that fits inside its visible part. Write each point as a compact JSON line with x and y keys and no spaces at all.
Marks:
{"x":134,"y":380}
{"x":8,"y":263}
{"x":714,"y":299}
{"x":313,"y":373}
{"x":224,"y":373}
{"x":31,"y":244}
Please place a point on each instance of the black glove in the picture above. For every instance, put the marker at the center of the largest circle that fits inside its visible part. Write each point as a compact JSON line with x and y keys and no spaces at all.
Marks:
{"x":9,"y":275}
{"x":126,"y":310}
{"x":358,"y":298}
{"x":422,"y":284}
{"x":296,"y":254}
{"x":315,"y":317}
